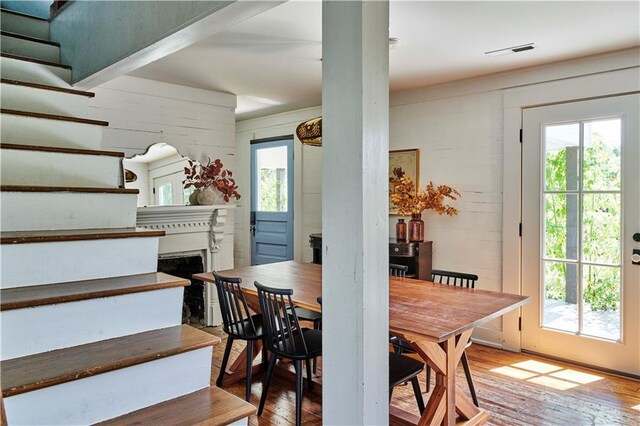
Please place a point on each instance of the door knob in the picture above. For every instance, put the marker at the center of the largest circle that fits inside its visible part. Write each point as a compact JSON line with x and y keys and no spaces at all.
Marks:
{"x":635,"y":257}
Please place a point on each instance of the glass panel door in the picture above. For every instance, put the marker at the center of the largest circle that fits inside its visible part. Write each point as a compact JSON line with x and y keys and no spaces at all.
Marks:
{"x":580,"y":209}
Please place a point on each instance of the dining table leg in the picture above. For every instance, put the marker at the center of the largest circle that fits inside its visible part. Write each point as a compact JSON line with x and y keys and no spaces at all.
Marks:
{"x":448,"y":404}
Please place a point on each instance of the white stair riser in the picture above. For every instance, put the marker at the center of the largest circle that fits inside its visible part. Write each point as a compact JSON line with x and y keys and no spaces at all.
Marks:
{"x":40,"y":131}
{"x":112,"y":394}
{"x":59,"y":169}
{"x":25,"y":25}
{"x":45,"y":328}
{"x":30,"y":49}
{"x":45,"y":263}
{"x":14,"y":69}
{"x":32,"y":99}
{"x":44,"y":211}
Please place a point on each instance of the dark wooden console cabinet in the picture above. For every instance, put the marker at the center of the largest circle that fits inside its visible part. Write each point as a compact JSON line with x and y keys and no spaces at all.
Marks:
{"x":417,"y":256}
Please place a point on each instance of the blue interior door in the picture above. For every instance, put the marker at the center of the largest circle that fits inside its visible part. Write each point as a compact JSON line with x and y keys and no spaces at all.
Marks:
{"x":271,"y":201}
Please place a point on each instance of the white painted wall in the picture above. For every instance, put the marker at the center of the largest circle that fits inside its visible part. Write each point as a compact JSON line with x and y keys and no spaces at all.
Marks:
{"x":458,"y":128}
{"x":199,"y":123}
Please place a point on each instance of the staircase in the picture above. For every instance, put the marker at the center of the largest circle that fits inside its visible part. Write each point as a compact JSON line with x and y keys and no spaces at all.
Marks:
{"x":90,"y":331}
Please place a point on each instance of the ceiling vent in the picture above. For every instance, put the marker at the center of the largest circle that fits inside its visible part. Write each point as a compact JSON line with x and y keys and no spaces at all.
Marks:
{"x":509,"y":50}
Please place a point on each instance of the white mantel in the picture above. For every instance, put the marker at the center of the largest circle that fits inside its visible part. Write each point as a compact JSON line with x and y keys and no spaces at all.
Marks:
{"x":191,"y":230}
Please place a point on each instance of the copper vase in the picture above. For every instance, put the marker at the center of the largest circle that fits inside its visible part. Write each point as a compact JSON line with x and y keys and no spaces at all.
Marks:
{"x":401,"y":231}
{"x":416,"y":228}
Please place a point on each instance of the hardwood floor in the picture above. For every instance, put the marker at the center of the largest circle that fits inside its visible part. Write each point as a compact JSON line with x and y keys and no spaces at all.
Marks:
{"x":511,"y":386}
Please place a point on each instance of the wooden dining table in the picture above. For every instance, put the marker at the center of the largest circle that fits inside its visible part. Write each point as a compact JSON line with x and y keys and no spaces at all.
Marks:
{"x":436,"y":319}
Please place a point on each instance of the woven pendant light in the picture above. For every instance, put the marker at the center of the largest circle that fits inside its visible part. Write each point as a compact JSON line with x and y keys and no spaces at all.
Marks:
{"x":310,"y":132}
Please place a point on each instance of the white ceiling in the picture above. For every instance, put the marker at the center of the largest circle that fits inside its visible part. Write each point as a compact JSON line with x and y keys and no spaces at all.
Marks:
{"x":272,"y":61}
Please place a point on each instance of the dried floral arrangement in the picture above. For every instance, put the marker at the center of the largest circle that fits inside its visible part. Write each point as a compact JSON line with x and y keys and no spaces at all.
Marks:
{"x":411,"y":200}
{"x":212,"y":175}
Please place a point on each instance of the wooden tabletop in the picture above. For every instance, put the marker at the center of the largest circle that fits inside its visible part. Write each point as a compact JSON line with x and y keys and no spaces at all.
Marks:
{"x":417,"y":309}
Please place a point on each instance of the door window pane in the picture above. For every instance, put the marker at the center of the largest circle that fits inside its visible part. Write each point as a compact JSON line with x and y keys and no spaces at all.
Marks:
{"x":562,"y":149}
{"x":560,"y":310}
{"x":272,"y":173}
{"x":602,"y":160}
{"x":165,"y":195}
{"x":601,"y":228}
{"x":561,"y":226}
{"x":601,"y":298}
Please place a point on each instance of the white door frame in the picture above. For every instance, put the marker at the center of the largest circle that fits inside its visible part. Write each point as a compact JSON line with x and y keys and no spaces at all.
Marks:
{"x":514,"y":101}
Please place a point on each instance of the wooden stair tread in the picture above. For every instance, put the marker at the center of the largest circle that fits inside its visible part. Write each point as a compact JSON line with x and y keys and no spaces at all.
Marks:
{"x":54,"y":117}
{"x":36,"y":188}
{"x":26,"y":15}
{"x":47,"y":87}
{"x":48,"y":294}
{"x":32,"y":372}
{"x":210,"y":406}
{"x":35,"y":61}
{"x":29,"y":38}
{"x":25,"y":237}
{"x":61,"y":150}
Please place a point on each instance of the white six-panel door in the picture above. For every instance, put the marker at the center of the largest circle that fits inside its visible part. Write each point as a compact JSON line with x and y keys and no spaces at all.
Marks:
{"x":580,"y":211}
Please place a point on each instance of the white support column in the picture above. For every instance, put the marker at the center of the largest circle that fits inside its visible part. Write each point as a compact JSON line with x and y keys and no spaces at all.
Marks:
{"x":355,"y":140}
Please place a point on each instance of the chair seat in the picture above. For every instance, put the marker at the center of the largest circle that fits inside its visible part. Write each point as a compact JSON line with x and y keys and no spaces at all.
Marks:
{"x":307,"y":314}
{"x":313,"y":340}
{"x":402,"y":368}
{"x":244,"y":331}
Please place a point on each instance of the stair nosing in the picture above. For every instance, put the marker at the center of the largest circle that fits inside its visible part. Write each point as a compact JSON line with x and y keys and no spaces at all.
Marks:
{"x":47,"y":87}
{"x":59,"y":150}
{"x":26,"y":15}
{"x":75,"y":291}
{"x":33,"y":237}
{"x":57,"y":117}
{"x":34,"y":60}
{"x":80,"y":189}
{"x":95,"y":366}
{"x":29,"y":38}
{"x":181,"y":406}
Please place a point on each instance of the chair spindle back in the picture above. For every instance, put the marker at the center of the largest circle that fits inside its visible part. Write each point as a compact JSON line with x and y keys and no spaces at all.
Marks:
{"x":236,"y":317}
{"x":454,"y":278}
{"x":396,"y":270}
{"x":282,"y":330}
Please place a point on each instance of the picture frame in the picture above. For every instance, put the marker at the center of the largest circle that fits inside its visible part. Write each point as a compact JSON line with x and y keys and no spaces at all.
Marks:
{"x":409,"y":161}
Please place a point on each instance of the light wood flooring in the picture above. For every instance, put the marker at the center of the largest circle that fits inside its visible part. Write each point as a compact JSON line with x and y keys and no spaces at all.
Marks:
{"x":516,"y":389}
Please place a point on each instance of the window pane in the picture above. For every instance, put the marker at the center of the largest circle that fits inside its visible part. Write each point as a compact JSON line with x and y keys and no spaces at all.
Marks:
{"x":602,"y":155}
{"x":601,"y":296}
{"x":272,"y":179}
{"x":561,"y":226}
{"x":562,"y":148}
{"x":601,"y":228}
{"x":560,"y":296}
{"x":165,"y":195}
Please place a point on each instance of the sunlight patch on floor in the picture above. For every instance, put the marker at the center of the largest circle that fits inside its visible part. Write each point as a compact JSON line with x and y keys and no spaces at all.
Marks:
{"x":549,"y":375}
{"x":636,"y":407}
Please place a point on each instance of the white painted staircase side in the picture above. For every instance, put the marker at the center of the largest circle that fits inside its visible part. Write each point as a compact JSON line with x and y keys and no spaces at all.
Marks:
{"x":84,"y":356}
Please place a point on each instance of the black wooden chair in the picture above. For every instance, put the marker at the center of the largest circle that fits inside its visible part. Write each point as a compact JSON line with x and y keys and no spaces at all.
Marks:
{"x":448,"y":278}
{"x":396,"y":270}
{"x":238,"y":323}
{"x":403,"y":369}
{"x":284,"y":338}
{"x":304,"y":314}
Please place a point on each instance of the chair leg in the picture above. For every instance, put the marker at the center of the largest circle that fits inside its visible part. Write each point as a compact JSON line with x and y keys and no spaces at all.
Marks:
{"x":225,"y":360}
{"x":317,"y":324}
{"x":249,"y":369}
{"x":309,"y":377}
{"x":467,"y":372}
{"x":428,"y":378}
{"x":298,"y":365}
{"x":390,"y":394}
{"x":418,"y":392}
{"x":267,"y":381}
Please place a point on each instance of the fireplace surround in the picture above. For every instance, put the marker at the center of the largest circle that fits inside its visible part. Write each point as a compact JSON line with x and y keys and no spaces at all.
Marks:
{"x":193,"y":231}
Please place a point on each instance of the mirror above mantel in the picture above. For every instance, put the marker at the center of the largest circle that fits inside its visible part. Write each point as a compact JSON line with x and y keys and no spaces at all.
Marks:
{"x":158,"y":175}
